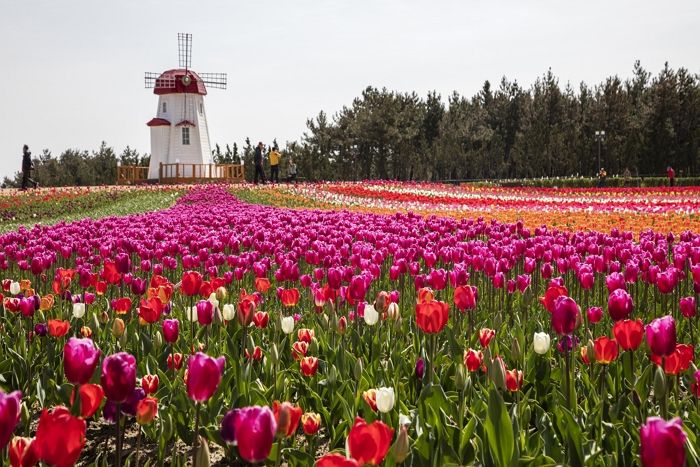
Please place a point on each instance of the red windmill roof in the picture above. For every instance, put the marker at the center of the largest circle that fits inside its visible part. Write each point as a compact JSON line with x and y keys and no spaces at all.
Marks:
{"x":185,"y":123}
{"x":158,"y":122}
{"x":167,"y":78}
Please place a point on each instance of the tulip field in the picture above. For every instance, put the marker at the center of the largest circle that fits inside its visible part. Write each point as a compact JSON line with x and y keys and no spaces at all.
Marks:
{"x":352,"y":324}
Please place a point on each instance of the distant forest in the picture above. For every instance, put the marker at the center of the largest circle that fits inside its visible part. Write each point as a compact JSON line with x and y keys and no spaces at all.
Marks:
{"x":504,"y":131}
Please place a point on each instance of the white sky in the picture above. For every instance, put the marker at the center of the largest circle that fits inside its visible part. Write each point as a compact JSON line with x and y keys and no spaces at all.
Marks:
{"x":72,"y":71}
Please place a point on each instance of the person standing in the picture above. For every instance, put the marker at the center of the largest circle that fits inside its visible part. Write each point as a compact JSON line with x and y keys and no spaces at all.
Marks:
{"x":275,"y":165}
{"x":671,"y":176}
{"x":258,"y":160}
{"x":291,"y":171}
{"x":27,"y":166}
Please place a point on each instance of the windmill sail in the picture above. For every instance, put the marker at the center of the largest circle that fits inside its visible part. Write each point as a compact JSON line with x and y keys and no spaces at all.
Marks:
{"x":156,"y":80}
{"x":184,"y":50}
{"x":214,"y":80}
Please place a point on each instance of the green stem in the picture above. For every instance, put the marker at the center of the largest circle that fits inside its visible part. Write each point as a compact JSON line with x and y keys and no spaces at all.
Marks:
{"x":196,"y":434}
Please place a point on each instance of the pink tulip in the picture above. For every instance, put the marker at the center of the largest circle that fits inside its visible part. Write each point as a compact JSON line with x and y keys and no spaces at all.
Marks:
{"x":565,"y":315}
{"x":252,"y":429}
{"x":594,"y":314}
{"x":118,"y":376}
{"x":661,"y":336}
{"x":171,"y":330}
{"x":205,"y":312}
{"x":9,"y":415}
{"x":203,"y":376}
{"x":80,"y":358}
{"x":662,"y":443}
{"x":620,"y":304}
{"x":688,"y":307}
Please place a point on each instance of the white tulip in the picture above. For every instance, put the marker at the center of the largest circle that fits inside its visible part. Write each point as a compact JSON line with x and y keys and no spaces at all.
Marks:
{"x":404,"y":419}
{"x":191,"y":313}
{"x":541,"y":342}
{"x":213,"y":300}
{"x":371,"y":315}
{"x":15,"y":288}
{"x":229,"y":312}
{"x":385,"y":399}
{"x":78,"y":310}
{"x":393,"y":311}
{"x":287,"y":324}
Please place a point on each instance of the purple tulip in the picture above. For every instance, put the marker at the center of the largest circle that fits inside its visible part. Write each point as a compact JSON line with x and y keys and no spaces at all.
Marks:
{"x":661,"y":336}
{"x":662,"y":443}
{"x":41,"y":329}
{"x":118,"y":376}
{"x":420,"y":368}
{"x":620,"y":305}
{"x":565,"y":315}
{"x":252,"y":429}
{"x":171,"y":330}
{"x":80,"y":358}
{"x":129,"y":405}
{"x":203,"y":376}
{"x":9,"y":415}
{"x":567,"y":343}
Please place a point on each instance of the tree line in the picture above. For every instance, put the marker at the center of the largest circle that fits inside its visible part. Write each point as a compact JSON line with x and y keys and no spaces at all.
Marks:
{"x":503,"y":131}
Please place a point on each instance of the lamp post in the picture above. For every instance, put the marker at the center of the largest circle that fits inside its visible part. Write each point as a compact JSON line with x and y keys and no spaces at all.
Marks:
{"x":599,"y":137}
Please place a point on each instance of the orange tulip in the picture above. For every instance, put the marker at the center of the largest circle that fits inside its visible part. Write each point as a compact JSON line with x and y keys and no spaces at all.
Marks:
{"x":605,"y":349}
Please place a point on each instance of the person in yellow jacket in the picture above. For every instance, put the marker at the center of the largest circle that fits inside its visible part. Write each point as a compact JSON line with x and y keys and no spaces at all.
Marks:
{"x":275,"y":165}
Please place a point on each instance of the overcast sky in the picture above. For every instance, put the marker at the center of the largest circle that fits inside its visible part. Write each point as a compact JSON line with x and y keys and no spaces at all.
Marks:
{"x":72,"y":71}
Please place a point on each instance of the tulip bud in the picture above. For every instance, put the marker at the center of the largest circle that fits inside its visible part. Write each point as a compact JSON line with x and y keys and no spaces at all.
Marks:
{"x":202,"y":457}
{"x":527,"y":413}
{"x":123,"y":339}
{"x":274,"y":354}
{"x":332,"y":374}
{"x":158,"y":339}
{"x":229,"y":312}
{"x":221,"y":294}
{"x":659,"y":383}
{"x":313,"y":346}
{"x":460,"y":378}
{"x":358,"y":369}
{"x":85,"y":331}
{"x":497,"y":372}
{"x":104,"y":317}
{"x":342,"y":325}
{"x":401,"y":447}
{"x":118,"y":327}
{"x":515,"y":351}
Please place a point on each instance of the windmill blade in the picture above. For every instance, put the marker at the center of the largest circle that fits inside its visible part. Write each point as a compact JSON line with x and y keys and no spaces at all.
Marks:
{"x":214,"y":80}
{"x":153,"y":80}
{"x":184,"y":50}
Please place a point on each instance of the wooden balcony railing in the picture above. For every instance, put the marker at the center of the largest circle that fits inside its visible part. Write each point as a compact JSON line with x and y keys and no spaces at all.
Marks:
{"x":182,"y":173}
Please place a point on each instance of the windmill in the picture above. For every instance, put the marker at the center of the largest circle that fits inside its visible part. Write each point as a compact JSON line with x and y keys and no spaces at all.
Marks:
{"x":179,"y":131}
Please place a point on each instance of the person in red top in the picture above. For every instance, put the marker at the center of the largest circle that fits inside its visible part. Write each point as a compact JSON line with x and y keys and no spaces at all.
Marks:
{"x":671,"y":175}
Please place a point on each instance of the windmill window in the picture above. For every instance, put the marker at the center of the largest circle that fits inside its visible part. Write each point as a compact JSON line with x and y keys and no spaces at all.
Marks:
{"x":201,"y":108}
{"x":165,"y":107}
{"x":185,"y":135}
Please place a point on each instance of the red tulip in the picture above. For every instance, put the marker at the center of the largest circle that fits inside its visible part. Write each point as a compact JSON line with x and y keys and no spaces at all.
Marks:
{"x":91,"y":396}
{"x":432,"y":316}
{"x":565,"y":316}
{"x":369,"y":443}
{"x":485,"y":336}
{"x":425,"y":295}
{"x":175,"y":361}
{"x":305,"y":335}
{"x":204,"y":376}
{"x":629,"y":333}
{"x":310,"y":423}
{"x":146,"y":410}
{"x":58,"y":328}
{"x":514,"y":380}
{"x":149,"y":383}
{"x":661,"y":336}
{"x":118,"y":376}
{"x":122,"y":305}
{"x":289,"y":297}
{"x":9,"y":415}
{"x":662,"y":443}
{"x":551,"y":295}
{"x":80,"y":358}
{"x":260,"y":319}
{"x":465,"y":297}
{"x":299,"y":349}
{"x":262,"y":284}
{"x":620,"y":304}
{"x":584,"y":355}
{"x":679,"y":361}
{"x":60,"y":437}
{"x":23,"y":452}
{"x":473,"y":359}
{"x":605,"y":349}
{"x":252,"y":429}
{"x":336,"y":460}
{"x":287,"y":416}
{"x":256,"y":355}
{"x":695,"y":386}
{"x":309,"y":366}
{"x":246,"y":310}
{"x":370,"y":397}
{"x":191,"y":283}
{"x":110,"y":272}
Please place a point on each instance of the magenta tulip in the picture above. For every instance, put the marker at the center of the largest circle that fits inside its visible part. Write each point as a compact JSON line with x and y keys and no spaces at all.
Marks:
{"x":205,"y":312}
{"x":594,"y":314}
{"x":9,"y":415}
{"x":203,"y":376}
{"x":688,"y":307}
{"x":252,"y":429}
{"x":620,"y":305}
{"x":80,"y":358}
{"x":171,"y":330}
{"x":614,"y":282}
{"x":662,"y":443}
{"x":565,"y":315}
{"x":118,"y":376}
{"x":661,"y":336}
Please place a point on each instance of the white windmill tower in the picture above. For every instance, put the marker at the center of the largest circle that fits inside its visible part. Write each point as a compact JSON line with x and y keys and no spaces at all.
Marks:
{"x":179,"y":131}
